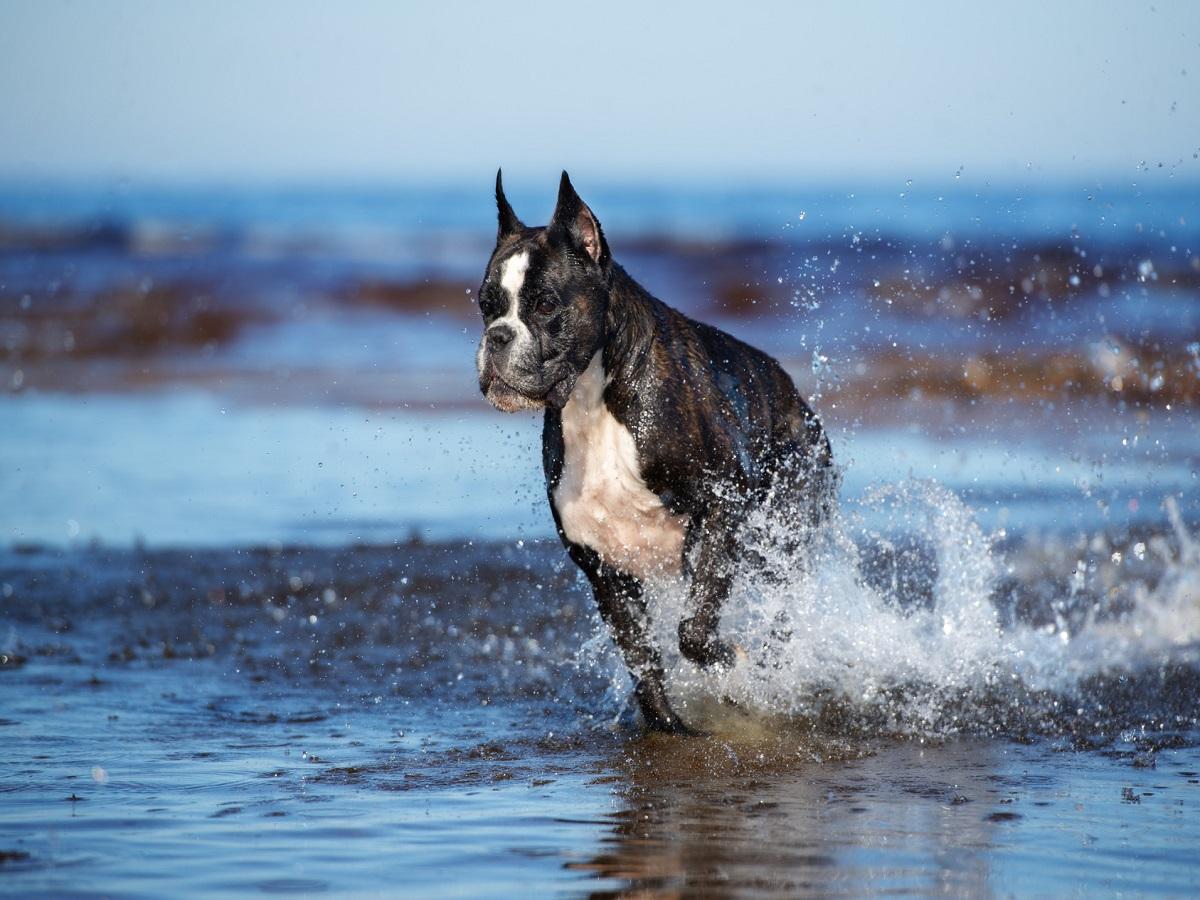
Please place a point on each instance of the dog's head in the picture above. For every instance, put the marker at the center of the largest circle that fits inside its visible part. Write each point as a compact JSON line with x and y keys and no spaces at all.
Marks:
{"x":543,"y":300}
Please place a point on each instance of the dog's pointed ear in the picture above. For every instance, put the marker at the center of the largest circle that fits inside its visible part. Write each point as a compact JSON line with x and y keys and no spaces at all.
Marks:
{"x":508,"y":221}
{"x":583,"y":228}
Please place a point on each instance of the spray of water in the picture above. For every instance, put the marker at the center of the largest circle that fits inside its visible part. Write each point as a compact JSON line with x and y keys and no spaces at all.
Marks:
{"x":901,"y":615}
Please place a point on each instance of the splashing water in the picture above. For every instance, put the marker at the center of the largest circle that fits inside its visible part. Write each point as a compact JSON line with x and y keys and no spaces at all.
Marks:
{"x":900,"y":615}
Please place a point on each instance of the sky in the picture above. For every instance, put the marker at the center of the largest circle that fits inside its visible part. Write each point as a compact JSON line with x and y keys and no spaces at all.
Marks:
{"x":407,"y":92}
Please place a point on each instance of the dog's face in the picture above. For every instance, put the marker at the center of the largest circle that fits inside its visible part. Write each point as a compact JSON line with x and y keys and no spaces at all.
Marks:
{"x":543,"y":299}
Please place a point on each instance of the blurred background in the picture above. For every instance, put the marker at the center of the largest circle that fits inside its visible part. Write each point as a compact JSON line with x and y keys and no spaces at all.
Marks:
{"x":239,"y":246}
{"x":281,"y":606}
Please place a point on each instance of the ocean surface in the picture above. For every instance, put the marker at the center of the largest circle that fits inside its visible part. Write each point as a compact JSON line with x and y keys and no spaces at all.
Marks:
{"x":282,"y":611}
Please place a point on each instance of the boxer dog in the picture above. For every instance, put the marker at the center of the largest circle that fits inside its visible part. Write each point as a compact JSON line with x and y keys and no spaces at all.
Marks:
{"x":661,"y":434}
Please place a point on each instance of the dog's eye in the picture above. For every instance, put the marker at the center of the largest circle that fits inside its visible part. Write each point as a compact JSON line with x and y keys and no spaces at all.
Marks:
{"x":545,"y":306}
{"x":489,"y":304}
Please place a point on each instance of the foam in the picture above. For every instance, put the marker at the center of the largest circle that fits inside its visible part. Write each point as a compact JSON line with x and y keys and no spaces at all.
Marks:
{"x":900,"y":623}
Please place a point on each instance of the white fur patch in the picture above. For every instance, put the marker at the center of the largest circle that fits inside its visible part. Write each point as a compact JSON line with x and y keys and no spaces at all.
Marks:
{"x":512,"y":275}
{"x":601,"y":499}
{"x":512,"y":279}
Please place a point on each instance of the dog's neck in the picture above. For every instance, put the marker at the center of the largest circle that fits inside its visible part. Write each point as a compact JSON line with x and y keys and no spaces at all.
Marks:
{"x":629,"y":327}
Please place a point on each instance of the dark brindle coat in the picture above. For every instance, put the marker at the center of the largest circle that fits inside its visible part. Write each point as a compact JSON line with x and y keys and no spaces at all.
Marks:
{"x":661,"y":433}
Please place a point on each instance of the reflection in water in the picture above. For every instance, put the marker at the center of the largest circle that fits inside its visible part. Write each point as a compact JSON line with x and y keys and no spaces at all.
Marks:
{"x":790,"y":814}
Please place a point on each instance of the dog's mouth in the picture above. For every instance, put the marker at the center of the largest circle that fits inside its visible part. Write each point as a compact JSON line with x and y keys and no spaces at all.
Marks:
{"x":507,"y":398}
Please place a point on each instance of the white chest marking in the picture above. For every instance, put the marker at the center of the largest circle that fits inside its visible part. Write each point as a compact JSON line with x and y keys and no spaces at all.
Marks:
{"x":601,"y":499}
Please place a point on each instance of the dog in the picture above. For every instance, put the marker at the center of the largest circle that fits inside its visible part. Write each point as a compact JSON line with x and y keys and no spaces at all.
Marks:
{"x":661,"y":434}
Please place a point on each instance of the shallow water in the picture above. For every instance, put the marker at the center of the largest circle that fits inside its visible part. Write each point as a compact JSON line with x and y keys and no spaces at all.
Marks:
{"x":194,"y":469}
{"x":420,"y":717}
{"x":281,"y":610}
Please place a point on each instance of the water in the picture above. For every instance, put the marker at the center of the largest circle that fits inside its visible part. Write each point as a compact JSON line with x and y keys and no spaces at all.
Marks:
{"x":185,"y":468}
{"x":281,"y":609}
{"x":421,"y":717}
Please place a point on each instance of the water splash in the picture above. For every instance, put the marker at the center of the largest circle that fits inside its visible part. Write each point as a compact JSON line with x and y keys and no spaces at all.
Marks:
{"x":902,"y":616}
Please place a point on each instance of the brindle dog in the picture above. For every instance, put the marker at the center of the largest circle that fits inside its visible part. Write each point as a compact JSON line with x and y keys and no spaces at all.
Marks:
{"x":661,"y":433}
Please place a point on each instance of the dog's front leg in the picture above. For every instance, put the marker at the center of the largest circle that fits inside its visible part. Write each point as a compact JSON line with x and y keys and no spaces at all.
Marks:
{"x":711,"y":580}
{"x":619,"y":597}
{"x":711,"y":583}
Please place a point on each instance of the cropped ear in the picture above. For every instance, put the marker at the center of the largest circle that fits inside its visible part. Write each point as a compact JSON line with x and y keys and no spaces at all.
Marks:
{"x":508,"y":221}
{"x":573,"y":216}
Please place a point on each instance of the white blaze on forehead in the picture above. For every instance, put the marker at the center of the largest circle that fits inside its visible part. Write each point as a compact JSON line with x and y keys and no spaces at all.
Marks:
{"x":512,"y":279}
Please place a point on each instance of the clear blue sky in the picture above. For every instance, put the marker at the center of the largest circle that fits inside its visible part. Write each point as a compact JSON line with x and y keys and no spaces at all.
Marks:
{"x":679,"y":91}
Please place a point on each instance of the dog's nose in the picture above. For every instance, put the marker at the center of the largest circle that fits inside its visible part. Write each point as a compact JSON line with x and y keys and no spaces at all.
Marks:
{"x":500,"y":336}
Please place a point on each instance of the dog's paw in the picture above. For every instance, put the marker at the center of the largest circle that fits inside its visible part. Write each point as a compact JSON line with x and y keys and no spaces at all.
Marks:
{"x":704,"y":649}
{"x":657,"y":711}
